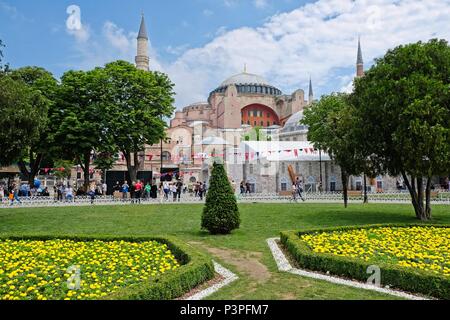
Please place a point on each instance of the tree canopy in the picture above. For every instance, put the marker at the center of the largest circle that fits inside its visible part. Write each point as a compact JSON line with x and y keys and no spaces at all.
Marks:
{"x":23,"y":117}
{"x":42,"y":83}
{"x":136,"y":103}
{"x":331,"y":125}
{"x":403,"y":106}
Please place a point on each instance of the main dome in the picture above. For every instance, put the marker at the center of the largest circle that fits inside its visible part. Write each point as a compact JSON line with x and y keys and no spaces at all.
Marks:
{"x":245,"y":78}
{"x":248,"y":83}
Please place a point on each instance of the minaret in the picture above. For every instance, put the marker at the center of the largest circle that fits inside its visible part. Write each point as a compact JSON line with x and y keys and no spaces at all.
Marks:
{"x":311,"y":93}
{"x":142,"y":59}
{"x":359,"y":61}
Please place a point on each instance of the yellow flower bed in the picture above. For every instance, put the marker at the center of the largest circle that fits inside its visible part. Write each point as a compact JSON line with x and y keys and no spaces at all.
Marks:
{"x":421,"y":248}
{"x":74,"y":270}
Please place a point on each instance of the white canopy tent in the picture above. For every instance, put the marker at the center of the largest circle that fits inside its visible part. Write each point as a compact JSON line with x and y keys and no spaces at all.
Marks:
{"x":282,"y":151}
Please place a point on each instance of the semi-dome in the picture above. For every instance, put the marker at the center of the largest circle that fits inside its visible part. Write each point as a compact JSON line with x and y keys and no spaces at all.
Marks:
{"x":293,"y":124}
{"x":245,"y":78}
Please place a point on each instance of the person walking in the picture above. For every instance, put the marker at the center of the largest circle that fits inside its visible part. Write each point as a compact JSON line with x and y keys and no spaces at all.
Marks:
{"x":104,"y":188}
{"x":147,"y":191}
{"x":60,"y":192}
{"x":138,"y":188}
{"x":179,"y":186}
{"x":154,"y":191}
{"x":125,"y":190}
{"x":91,"y":194}
{"x":294,"y":193}
{"x":173,"y":191}
{"x":299,"y":187}
{"x":116,"y":191}
{"x":166,"y":189}
{"x":201,"y":191}
{"x":132,"y":192}
{"x":14,"y":195}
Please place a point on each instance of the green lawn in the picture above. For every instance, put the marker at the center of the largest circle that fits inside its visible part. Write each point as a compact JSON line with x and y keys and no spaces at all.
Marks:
{"x":244,"y":252}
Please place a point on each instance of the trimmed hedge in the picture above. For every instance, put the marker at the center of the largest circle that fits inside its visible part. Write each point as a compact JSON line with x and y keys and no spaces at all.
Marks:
{"x":196,"y":268}
{"x":410,"y":280}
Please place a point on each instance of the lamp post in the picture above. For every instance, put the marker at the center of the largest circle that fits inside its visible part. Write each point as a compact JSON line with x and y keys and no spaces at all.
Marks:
{"x":321,"y":176}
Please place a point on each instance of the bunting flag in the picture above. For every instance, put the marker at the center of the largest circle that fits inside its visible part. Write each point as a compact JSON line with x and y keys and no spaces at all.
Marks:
{"x":296,"y":152}
{"x":150,"y":157}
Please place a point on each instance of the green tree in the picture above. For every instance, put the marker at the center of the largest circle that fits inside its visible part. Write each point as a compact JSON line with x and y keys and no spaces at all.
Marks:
{"x":63,"y":169}
{"x":77,"y":124}
{"x":221,"y":213}
{"x":136,"y":104}
{"x":42,"y":83}
{"x":403,"y":103}
{"x":331,"y":129}
{"x":23,"y":117}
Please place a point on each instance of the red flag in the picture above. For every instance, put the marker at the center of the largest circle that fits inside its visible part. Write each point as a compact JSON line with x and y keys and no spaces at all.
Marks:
{"x":150,"y":157}
{"x":296,"y":152}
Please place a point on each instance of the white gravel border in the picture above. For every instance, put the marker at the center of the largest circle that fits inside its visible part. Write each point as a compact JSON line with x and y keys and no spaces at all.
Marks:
{"x":229,"y":278}
{"x":284,"y":266}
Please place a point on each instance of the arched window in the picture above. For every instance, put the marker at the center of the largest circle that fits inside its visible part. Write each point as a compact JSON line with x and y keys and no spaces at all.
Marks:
{"x":166,"y":156}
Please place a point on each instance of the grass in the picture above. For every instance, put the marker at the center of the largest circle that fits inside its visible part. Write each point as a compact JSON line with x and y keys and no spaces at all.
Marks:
{"x":244,"y":252}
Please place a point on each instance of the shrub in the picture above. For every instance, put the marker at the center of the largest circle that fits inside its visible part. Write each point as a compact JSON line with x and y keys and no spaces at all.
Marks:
{"x":394,"y":276}
{"x":221,"y":213}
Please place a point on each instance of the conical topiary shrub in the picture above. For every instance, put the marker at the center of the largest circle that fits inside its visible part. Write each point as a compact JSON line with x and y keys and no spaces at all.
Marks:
{"x":221,"y":213}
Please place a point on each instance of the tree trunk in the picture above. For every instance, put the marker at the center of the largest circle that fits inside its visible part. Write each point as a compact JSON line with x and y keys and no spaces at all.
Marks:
{"x":428,"y":200}
{"x":132,"y":168}
{"x":415,"y":188}
{"x":345,"y":187}
{"x":366,"y":198}
{"x":86,"y":170}
{"x":24,"y":170}
{"x":35,"y":166}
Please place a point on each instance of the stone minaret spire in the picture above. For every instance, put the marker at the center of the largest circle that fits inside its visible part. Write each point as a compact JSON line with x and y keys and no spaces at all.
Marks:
{"x":142,"y":58}
{"x":359,"y":61}
{"x":311,"y":93}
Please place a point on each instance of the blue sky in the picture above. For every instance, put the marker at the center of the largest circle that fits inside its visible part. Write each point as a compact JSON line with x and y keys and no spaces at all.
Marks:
{"x":200,"y":43}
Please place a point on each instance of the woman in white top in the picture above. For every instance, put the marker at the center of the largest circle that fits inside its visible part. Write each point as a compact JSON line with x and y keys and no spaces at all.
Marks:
{"x":69,"y":194}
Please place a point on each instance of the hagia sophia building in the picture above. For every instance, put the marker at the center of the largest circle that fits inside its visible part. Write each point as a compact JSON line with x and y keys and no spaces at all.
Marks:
{"x":223,"y":128}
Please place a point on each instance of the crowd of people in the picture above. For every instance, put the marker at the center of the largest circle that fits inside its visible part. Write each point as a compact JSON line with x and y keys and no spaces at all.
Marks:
{"x":166,"y":191}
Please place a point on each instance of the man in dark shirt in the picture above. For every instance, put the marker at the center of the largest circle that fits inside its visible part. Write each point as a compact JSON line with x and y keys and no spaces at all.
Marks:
{"x":179,"y":190}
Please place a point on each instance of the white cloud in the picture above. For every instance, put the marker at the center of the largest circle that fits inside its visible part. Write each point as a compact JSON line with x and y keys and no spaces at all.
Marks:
{"x":118,"y":39}
{"x":81,"y":35}
{"x":317,"y":39}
